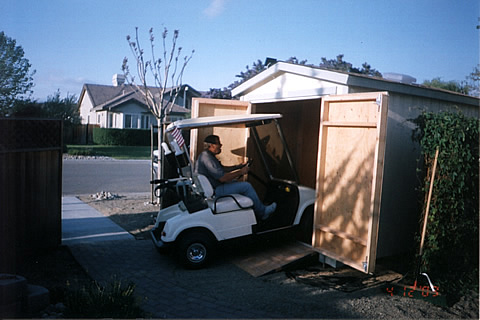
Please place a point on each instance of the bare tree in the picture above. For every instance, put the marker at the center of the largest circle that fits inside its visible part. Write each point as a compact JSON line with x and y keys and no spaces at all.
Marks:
{"x":162,"y":72}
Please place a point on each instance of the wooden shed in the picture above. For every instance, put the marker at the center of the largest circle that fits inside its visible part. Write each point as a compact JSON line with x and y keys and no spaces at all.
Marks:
{"x":351,"y":139}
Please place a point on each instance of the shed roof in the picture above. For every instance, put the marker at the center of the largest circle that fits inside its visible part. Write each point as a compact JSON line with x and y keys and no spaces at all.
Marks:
{"x":338,"y":78}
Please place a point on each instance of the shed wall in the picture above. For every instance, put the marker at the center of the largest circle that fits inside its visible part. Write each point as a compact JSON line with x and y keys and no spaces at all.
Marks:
{"x":401,"y":203}
{"x":233,"y":139}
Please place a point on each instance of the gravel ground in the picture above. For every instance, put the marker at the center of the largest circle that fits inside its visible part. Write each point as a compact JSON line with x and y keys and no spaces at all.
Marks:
{"x":135,"y":213}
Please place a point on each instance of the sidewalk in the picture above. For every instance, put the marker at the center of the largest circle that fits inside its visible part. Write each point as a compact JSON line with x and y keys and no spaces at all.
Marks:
{"x":83,"y":224}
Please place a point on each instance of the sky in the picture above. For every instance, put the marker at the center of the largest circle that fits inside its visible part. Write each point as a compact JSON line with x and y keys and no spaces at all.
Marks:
{"x":73,"y":42}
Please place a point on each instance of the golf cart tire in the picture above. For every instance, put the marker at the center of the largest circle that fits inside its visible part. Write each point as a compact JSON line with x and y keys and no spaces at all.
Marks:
{"x":196,"y":249}
{"x":304,"y":229}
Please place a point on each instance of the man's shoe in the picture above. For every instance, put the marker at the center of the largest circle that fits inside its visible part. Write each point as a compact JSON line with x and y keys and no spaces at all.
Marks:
{"x":269,"y":210}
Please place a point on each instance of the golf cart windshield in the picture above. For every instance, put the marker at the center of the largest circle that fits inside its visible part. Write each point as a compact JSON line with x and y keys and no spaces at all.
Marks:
{"x":274,"y":152}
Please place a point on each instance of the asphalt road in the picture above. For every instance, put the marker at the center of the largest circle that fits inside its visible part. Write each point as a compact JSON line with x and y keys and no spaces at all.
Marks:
{"x":81,"y":177}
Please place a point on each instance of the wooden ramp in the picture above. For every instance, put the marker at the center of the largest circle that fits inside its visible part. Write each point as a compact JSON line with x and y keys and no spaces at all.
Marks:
{"x":269,"y":259}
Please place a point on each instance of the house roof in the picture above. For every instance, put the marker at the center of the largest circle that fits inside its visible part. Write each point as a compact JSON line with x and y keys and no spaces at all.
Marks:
{"x":346,"y":79}
{"x":105,"y":97}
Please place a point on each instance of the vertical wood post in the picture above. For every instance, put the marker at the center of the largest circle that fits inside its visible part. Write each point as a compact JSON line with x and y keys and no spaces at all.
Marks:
{"x":427,"y":210}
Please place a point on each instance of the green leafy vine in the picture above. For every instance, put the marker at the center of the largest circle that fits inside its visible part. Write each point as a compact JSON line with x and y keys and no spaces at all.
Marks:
{"x":451,"y":246}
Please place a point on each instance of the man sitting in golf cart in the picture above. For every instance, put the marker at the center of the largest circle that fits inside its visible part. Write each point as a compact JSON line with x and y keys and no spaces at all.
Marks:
{"x":223,"y":179}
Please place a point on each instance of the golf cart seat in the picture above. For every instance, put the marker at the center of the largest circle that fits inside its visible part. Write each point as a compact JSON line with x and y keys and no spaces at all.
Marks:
{"x":227,"y":203}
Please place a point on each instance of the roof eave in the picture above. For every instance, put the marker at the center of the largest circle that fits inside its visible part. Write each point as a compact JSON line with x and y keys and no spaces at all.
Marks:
{"x":282,"y":67}
{"x":82,"y":94}
{"x":380,"y":84}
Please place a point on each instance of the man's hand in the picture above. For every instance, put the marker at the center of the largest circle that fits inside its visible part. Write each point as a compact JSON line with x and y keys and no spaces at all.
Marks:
{"x":232,"y":175}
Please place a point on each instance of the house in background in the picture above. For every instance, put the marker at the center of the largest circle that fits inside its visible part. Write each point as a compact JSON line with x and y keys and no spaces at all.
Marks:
{"x":122,"y":106}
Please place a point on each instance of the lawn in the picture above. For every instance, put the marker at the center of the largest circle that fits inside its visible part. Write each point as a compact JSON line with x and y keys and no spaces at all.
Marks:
{"x":117,"y":152}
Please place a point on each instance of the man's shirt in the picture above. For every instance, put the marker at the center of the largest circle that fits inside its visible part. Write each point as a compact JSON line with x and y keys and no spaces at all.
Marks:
{"x":208,"y":165}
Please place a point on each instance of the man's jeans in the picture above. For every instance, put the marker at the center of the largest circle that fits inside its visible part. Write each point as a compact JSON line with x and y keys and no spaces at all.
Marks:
{"x":243,"y":188}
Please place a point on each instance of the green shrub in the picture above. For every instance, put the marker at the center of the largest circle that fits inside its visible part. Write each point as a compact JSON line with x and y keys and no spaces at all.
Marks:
{"x":81,"y":152}
{"x":451,"y":244}
{"x":121,"y":137}
{"x":112,"y":301}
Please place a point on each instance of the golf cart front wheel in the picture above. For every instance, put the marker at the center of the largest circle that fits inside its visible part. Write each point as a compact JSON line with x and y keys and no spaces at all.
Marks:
{"x":196,"y":250}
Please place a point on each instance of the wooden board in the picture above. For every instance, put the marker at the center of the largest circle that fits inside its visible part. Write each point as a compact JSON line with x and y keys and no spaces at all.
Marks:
{"x":234,"y":139}
{"x":349,"y":177}
{"x":266,"y":260}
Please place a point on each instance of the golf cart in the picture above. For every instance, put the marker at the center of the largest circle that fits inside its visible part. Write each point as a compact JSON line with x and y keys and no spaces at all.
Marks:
{"x":199,"y":221}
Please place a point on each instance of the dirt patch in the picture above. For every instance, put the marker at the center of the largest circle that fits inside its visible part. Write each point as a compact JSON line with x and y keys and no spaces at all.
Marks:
{"x":343,"y":279}
{"x":133,"y":212}
{"x":56,"y":270}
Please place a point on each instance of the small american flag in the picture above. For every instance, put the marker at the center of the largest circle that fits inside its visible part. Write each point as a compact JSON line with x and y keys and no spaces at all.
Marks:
{"x":177,"y":135}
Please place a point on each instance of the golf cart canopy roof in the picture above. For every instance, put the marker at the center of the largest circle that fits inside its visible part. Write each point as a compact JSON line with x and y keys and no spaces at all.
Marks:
{"x":221,"y":120}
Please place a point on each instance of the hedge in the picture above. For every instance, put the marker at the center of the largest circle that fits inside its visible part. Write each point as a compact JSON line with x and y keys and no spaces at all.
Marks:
{"x":121,"y":137}
{"x":451,"y":244}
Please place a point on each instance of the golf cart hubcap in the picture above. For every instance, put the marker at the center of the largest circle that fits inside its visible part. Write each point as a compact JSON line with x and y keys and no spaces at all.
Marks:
{"x":196,"y":252}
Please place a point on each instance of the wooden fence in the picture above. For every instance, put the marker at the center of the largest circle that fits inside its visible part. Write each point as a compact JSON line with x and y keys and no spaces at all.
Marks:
{"x":79,"y":134}
{"x":30,"y":188}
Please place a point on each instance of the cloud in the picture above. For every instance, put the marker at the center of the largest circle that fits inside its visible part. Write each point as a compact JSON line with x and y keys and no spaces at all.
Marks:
{"x":216,"y":8}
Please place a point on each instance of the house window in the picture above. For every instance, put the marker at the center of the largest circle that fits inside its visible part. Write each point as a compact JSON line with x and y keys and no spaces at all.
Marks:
{"x":135,"y":123}
{"x":131,"y":121}
{"x":145,"y":122}
{"x":110,"y":120}
{"x":128,"y":121}
{"x":98,"y":119}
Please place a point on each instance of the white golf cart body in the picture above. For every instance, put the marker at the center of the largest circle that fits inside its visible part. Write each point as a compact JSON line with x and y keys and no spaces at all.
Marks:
{"x":199,"y":215}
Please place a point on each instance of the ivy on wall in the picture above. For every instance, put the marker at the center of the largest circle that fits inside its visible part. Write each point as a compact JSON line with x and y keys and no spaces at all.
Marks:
{"x":452,"y":242}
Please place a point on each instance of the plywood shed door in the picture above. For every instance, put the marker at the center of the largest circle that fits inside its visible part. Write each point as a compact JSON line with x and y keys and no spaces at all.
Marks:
{"x":234,"y":139}
{"x":349,"y":177}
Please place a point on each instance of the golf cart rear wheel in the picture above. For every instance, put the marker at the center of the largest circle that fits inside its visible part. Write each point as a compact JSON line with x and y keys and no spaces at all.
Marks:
{"x":195,"y":249}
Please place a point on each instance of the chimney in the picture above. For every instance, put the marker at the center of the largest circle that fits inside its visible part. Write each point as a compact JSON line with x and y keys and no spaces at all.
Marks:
{"x":118,"y":79}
